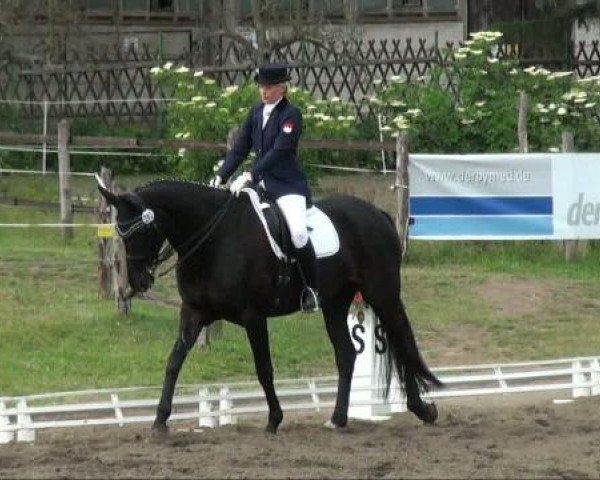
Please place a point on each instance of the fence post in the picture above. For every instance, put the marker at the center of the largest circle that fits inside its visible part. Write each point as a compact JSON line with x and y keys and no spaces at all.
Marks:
{"x":119,"y":268}
{"x":25,"y":432}
{"x":595,"y":377}
{"x":225,"y":405}
{"x":572,"y":248}
{"x":45,"y":132}
{"x":401,"y":186}
{"x":64,"y":178}
{"x":205,"y":406}
{"x":579,"y":378}
{"x":5,"y":436}
{"x":522,"y":123}
{"x":104,"y":243}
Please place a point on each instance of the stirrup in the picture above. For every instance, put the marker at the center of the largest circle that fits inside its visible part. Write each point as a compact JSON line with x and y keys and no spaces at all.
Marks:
{"x":309,"y":300}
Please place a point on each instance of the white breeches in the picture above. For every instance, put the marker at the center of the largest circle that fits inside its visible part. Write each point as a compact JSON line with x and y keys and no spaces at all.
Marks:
{"x":293,"y":208}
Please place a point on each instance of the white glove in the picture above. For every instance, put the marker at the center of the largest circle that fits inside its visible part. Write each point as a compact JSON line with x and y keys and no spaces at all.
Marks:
{"x":240,"y":182}
{"x":215,"y":182}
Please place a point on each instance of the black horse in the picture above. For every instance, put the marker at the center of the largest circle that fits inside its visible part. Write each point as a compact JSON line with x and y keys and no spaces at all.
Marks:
{"x":226,"y":269}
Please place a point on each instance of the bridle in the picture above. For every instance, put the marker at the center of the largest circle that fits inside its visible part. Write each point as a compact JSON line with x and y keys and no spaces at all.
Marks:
{"x":147,"y":219}
{"x":144,"y":220}
{"x":127,"y":229}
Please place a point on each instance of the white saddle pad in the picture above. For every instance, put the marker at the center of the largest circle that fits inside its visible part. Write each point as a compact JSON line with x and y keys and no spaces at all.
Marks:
{"x":321,"y":230}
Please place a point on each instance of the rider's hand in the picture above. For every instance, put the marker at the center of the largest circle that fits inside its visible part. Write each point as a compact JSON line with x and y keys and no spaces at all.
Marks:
{"x":216,"y":181}
{"x":240,"y":182}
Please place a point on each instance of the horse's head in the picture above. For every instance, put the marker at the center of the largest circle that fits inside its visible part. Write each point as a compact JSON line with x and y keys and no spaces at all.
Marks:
{"x":137,"y":226}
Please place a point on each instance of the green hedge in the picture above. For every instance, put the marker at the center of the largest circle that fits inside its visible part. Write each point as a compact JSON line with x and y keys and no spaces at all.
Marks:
{"x":481,"y":116}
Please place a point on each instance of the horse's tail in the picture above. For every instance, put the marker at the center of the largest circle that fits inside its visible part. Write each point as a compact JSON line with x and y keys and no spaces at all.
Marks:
{"x":403,"y":355}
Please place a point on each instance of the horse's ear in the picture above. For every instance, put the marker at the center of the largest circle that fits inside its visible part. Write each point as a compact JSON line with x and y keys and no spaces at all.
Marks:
{"x":111,"y":198}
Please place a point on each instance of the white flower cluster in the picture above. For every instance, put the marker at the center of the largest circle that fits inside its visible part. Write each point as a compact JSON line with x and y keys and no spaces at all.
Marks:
{"x":574,"y":104}
{"x":397,"y":79}
{"x":476,"y":46}
{"x":486,"y":36}
{"x":592,"y":79}
{"x":169,"y":66}
{"x":229,"y":90}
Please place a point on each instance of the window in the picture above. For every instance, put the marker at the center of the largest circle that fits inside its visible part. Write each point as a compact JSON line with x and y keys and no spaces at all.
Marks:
{"x":161,"y":5}
{"x":134,"y":5}
{"x":99,"y":4}
{"x":442,"y":6}
{"x":372,"y":6}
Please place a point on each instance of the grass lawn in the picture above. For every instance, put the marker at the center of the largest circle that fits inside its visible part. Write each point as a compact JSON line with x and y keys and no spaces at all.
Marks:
{"x":469,"y":303}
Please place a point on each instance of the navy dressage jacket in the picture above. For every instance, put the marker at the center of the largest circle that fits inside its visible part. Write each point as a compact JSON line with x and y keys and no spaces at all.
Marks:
{"x":276,"y":148}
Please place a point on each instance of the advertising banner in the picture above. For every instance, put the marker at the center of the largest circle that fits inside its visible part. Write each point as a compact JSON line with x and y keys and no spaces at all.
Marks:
{"x":505,"y":196}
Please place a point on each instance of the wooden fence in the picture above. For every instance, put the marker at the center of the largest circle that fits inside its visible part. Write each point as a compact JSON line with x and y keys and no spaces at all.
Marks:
{"x":122,"y":88}
{"x":119,"y":87}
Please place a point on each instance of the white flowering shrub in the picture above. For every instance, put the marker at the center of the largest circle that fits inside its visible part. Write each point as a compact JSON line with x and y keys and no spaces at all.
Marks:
{"x":481,"y":115}
{"x":204,"y":111}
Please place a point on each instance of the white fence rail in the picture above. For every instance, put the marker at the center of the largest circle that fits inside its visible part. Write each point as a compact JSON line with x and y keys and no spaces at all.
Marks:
{"x":213,"y":405}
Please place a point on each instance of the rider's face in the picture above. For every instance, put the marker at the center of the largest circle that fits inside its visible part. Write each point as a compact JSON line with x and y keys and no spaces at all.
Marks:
{"x":271,"y":93}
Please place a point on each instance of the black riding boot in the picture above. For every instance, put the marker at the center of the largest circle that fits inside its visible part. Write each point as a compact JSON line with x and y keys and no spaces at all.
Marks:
{"x":309,"y":300}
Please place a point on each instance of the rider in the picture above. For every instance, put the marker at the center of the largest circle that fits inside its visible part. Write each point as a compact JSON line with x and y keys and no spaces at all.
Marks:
{"x":273,"y":129}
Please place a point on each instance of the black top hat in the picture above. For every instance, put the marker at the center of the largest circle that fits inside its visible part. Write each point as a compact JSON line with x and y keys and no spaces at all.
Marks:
{"x":272,"y":74}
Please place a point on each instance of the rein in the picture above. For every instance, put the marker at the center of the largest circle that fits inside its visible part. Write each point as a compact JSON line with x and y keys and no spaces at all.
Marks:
{"x":204,"y":234}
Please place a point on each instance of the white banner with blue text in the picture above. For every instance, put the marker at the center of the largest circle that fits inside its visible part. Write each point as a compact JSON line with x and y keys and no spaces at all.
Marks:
{"x":505,"y":196}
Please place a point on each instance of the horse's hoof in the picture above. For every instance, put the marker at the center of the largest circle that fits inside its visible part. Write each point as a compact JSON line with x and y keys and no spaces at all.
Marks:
{"x":332,"y":426}
{"x":160,"y":429}
{"x":429,"y":413}
{"x":272,"y":429}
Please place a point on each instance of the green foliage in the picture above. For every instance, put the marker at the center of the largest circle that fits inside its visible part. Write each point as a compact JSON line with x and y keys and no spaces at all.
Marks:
{"x":482,"y":115}
{"x":206,"y":112}
{"x":10,"y":121}
{"x":156,"y":162}
{"x":84,"y":126}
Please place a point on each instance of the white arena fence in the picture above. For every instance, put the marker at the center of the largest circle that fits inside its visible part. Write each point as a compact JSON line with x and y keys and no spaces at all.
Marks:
{"x":214,"y":405}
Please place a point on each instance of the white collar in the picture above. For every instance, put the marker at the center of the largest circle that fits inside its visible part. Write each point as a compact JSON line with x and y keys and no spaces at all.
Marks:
{"x":269,"y":107}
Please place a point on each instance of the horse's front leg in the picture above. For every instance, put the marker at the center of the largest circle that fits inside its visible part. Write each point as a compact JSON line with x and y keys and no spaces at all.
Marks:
{"x":256,"y":328}
{"x":191,"y":322}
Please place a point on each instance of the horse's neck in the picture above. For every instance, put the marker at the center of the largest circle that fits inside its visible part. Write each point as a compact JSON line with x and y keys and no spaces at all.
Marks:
{"x":187,"y":212}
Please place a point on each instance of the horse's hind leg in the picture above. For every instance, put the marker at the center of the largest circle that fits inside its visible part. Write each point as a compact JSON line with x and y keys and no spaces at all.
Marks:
{"x":336,"y":322}
{"x":258,"y":335}
{"x":190,"y":325}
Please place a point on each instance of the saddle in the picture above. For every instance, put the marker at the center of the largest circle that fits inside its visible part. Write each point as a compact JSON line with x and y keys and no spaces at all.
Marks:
{"x":322,"y":232}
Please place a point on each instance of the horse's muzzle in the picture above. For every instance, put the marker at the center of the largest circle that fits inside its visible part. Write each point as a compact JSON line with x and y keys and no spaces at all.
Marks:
{"x":141,"y":281}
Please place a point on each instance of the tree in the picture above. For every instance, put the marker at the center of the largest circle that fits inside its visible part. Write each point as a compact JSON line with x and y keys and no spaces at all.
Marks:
{"x":570,"y":10}
{"x":275,"y":22}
